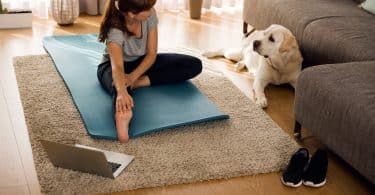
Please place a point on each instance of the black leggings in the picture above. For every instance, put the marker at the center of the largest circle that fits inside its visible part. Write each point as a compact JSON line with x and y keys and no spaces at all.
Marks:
{"x":167,"y":68}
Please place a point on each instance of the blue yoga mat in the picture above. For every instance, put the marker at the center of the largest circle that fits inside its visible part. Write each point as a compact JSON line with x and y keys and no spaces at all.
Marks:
{"x":155,"y":108}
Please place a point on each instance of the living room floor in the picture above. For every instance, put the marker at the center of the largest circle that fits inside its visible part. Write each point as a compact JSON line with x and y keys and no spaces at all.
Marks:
{"x":176,"y":29}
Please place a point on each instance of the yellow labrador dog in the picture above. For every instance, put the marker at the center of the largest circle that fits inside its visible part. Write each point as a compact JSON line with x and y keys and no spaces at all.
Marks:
{"x":272,"y":55}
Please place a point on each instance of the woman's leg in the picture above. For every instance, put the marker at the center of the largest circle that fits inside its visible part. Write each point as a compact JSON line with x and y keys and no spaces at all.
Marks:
{"x":122,"y":119}
{"x":170,"y":68}
{"x":104,"y":74}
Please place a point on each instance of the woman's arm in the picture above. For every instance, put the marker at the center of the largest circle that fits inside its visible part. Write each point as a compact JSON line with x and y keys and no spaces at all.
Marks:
{"x":117,"y":64}
{"x":119,"y":78}
{"x":152,"y":47}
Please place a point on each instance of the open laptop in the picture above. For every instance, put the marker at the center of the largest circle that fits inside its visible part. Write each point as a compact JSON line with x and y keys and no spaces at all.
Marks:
{"x":86,"y":159}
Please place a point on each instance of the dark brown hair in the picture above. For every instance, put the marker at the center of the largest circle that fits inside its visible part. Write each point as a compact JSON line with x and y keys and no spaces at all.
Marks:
{"x":114,"y":18}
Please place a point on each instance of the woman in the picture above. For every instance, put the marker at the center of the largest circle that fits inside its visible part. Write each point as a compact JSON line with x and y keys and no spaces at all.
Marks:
{"x":130,"y":59}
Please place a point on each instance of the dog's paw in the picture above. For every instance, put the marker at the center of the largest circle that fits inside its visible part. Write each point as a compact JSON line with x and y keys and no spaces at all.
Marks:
{"x":208,"y":54}
{"x":239,"y":66}
{"x":261,"y":102}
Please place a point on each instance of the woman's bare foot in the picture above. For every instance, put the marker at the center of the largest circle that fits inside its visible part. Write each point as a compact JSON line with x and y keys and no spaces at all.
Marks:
{"x":122,"y":125}
{"x":142,"y":81}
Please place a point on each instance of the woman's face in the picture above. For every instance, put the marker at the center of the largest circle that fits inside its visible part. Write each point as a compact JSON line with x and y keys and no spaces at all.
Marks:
{"x":141,"y":15}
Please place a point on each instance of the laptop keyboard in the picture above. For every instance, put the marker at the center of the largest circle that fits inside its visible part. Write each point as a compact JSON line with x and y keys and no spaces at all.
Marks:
{"x":114,"y":166}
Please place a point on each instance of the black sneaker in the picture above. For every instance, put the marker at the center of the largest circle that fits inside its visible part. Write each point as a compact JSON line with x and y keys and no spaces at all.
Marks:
{"x":315,"y":175}
{"x":293,"y":174}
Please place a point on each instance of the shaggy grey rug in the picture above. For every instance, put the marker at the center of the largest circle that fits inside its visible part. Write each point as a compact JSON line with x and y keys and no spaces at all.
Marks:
{"x":246,"y":144}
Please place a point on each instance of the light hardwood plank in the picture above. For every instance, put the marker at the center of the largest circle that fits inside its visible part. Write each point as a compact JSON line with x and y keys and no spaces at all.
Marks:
{"x":11,"y":169}
{"x":15,"y":190}
{"x":6,"y":132}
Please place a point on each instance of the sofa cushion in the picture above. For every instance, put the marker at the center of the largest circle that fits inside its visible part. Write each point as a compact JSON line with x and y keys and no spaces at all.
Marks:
{"x":336,"y":103}
{"x":339,"y":39}
{"x":296,"y":14}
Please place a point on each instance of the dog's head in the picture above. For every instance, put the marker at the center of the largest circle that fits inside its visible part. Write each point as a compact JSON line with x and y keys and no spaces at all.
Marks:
{"x":279,"y":45}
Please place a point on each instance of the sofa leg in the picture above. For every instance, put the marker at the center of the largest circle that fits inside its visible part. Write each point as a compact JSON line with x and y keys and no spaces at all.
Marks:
{"x":297,"y":130}
{"x":244,"y":28}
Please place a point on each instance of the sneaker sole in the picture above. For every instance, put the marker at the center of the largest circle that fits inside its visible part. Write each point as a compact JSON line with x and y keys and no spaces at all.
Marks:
{"x":289,"y":184}
{"x":311,"y":184}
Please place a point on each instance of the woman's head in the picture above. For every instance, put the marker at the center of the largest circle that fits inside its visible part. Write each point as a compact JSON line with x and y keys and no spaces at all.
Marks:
{"x":118,"y":10}
{"x":137,"y":9}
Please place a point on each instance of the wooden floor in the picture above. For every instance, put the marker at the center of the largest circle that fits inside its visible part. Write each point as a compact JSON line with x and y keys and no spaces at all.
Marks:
{"x":214,"y":30}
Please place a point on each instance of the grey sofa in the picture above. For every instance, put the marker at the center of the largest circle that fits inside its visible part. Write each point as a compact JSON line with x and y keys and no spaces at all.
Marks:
{"x":335,"y":94}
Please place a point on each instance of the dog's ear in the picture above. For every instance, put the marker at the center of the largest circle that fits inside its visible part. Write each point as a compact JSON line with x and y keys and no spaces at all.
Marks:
{"x":276,"y":61}
{"x":288,"y":43}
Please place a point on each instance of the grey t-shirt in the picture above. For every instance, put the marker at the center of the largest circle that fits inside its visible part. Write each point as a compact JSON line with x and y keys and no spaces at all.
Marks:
{"x":132,"y":47}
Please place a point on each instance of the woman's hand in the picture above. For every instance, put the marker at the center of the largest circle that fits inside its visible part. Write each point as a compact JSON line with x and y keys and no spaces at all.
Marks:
{"x":124,"y":101}
{"x":129,"y":80}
